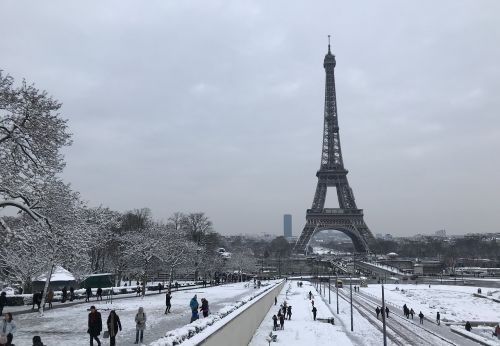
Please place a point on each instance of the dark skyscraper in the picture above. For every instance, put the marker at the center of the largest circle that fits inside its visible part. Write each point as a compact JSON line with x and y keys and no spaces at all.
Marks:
{"x":287,"y":225}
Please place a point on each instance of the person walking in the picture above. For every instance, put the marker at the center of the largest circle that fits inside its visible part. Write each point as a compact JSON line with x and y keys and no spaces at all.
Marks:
{"x":412,"y":312}
{"x":140,"y":325}
{"x":114,"y":325}
{"x":438,"y":319}
{"x":99,"y":294}
{"x":275,"y":323}
{"x":88,"y":292}
{"x":404,"y":309}
{"x":282,"y":322}
{"x":387,"y":311}
{"x":64,"y":294}
{"x":50,"y":297}
{"x":159,"y":288}
{"x":204,"y":307}
{"x":3,"y":301}
{"x":194,"y":308}
{"x":314,"y":310}
{"x":36,"y":300}
{"x":310,"y":295}
{"x":497,"y":331}
{"x":71,"y":293}
{"x":289,"y":312}
{"x":168,"y":304}
{"x":421,"y":316}
{"x":377,"y":311}
{"x":7,"y":329}
{"x":275,"y":300}
{"x":468,"y":326}
{"x":95,"y":325}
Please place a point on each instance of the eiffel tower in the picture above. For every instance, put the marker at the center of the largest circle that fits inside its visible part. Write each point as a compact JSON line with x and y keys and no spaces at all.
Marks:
{"x":347,"y":219}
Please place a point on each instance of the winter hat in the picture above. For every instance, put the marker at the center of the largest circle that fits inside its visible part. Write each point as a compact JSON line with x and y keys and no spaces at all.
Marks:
{"x":92,"y":307}
{"x":194,"y":296}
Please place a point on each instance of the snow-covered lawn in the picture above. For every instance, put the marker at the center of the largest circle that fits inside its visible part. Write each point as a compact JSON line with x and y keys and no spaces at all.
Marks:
{"x":68,"y":326}
{"x":454,"y":303}
{"x":301,"y":329}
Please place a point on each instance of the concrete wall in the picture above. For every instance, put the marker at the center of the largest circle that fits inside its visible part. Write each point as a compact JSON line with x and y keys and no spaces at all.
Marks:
{"x":240,"y":330}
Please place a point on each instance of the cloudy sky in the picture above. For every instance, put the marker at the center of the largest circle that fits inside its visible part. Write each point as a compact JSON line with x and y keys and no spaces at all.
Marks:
{"x":217,"y":106}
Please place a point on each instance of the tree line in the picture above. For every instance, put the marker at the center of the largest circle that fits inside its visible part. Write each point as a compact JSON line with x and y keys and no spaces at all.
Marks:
{"x":53,"y":225}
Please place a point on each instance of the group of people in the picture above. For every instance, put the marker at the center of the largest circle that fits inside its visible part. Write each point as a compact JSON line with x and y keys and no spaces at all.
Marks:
{"x":114,"y":325}
{"x":284,"y":312}
{"x":193,"y":304}
{"x":378,"y":310}
{"x":88,"y":294}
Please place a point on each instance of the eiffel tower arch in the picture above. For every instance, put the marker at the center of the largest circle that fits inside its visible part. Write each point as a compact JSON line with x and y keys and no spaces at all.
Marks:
{"x":347,"y":219}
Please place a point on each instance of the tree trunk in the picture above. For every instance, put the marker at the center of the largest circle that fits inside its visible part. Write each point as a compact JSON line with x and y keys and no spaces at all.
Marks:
{"x":45,"y":289}
{"x":171,"y":277}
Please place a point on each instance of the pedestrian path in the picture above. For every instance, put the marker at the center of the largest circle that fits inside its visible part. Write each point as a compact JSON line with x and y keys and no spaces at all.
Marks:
{"x":302,"y":329}
{"x":25,"y":309}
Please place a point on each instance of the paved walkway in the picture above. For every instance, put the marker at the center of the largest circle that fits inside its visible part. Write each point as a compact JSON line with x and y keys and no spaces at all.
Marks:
{"x":24,"y":309}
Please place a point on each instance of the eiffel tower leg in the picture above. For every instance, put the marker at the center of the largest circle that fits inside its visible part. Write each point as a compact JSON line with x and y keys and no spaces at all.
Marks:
{"x":305,"y":237}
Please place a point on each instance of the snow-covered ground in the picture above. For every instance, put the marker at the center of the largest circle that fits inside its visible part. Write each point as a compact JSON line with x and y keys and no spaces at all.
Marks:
{"x":301,"y":329}
{"x":68,"y":326}
{"x":454,"y":303}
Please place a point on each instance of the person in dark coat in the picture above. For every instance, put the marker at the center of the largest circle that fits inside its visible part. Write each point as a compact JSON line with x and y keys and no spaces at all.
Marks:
{"x":421,"y":316}
{"x":99,"y":294}
{"x":37,"y":299}
{"x":168,"y":304}
{"x":275,"y":322}
{"x":275,"y":300}
{"x":159,"y":288}
{"x":387,"y":311}
{"x":289,"y":312}
{"x":282,"y":322}
{"x":468,"y":326}
{"x":71,"y":294}
{"x":204,"y":307}
{"x":37,"y":341}
{"x":412,"y":312}
{"x":3,"y":301}
{"x":113,"y":326}
{"x":88,"y":292}
{"x":95,"y":325}
{"x":314,"y":310}
{"x":64,"y":294}
{"x":377,"y":311}
{"x":438,"y":318}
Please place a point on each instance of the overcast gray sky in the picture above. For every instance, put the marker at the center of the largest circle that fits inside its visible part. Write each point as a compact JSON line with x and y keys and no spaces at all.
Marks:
{"x":217,"y":106}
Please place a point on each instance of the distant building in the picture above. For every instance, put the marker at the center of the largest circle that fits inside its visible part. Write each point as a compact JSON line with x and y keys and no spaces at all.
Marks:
{"x":441,"y":233}
{"x":287,"y":225}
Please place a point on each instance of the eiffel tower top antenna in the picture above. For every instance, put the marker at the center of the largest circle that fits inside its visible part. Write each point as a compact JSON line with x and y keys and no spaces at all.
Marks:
{"x":329,"y":44}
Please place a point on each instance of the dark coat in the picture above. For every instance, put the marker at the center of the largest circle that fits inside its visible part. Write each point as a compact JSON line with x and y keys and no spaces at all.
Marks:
{"x":168,"y":297}
{"x":3,"y":299}
{"x":113,"y":324}
{"x":95,"y":324}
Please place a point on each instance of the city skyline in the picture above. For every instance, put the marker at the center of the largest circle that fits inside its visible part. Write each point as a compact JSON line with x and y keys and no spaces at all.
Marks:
{"x":218,"y":107}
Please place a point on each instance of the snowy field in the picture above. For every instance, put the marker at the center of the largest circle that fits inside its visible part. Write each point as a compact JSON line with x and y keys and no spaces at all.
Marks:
{"x":454,"y":303}
{"x":68,"y":326}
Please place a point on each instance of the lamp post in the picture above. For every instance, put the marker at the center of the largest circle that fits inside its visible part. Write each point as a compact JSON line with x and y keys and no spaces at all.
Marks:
{"x":337,"y":285}
{"x":350,"y":285}
{"x":329,"y":288}
{"x":383,"y":316}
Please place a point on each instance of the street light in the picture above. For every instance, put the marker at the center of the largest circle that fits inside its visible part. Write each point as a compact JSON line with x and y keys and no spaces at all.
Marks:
{"x":350,"y":285}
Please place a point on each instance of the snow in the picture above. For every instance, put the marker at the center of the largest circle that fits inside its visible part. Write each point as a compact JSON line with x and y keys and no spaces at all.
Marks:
{"x":59,"y":274}
{"x":197,"y":331}
{"x":68,"y":326}
{"x":301,"y":329}
{"x":455,"y":303}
